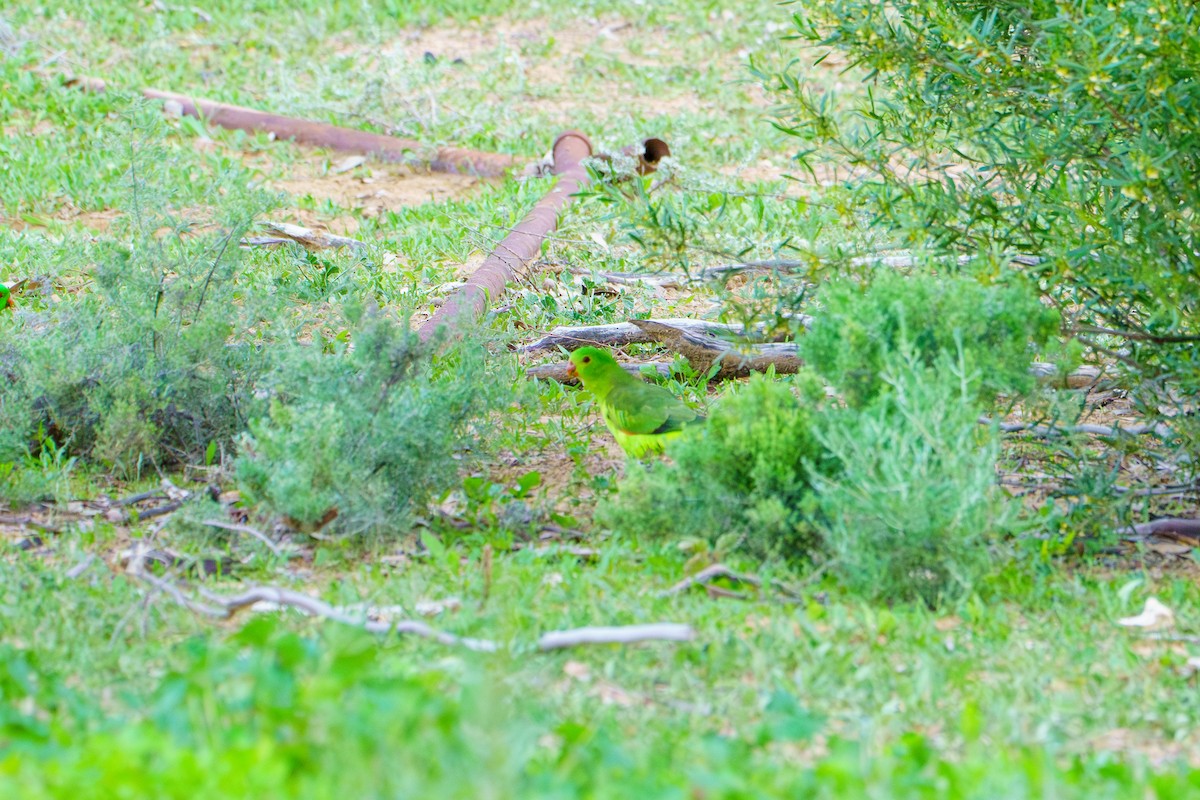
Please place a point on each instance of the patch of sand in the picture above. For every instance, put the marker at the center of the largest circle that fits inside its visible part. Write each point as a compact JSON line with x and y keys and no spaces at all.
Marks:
{"x":375,"y":188}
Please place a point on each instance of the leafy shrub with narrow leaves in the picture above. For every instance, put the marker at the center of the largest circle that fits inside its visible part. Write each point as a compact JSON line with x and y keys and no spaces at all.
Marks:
{"x":748,"y":471}
{"x":367,"y":432}
{"x":1065,"y":130}
{"x":861,"y":326}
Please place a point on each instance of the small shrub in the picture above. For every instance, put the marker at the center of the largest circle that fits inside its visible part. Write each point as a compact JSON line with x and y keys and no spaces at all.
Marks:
{"x":913,"y":504}
{"x":748,"y":471}
{"x":369,"y":431}
{"x":896,"y":494}
{"x":860,"y":327}
{"x":148,"y":366}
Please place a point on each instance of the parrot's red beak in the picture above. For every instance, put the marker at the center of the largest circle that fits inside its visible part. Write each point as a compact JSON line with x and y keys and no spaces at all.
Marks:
{"x":10,"y":303}
{"x":571,"y":373}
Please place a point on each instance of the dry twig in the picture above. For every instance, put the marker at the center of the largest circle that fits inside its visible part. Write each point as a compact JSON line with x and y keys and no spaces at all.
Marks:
{"x":308,"y":238}
{"x":246,"y":529}
{"x":710,"y":573}
{"x":1170,"y":525}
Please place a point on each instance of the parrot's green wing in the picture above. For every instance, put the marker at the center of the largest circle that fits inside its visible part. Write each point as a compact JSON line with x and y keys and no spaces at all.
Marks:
{"x":644,"y":408}
{"x":642,"y":416}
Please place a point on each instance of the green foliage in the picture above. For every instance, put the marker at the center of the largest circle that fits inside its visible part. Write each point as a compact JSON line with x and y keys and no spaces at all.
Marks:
{"x":859,"y":328}
{"x":368,"y":431}
{"x":748,"y":471}
{"x":895,"y":491}
{"x":913,"y":505}
{"x":1066,"y":130}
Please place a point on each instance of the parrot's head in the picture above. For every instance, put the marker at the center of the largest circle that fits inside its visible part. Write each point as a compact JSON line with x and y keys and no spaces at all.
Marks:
{"x":6,"y":300}
{"x":591,"y":363}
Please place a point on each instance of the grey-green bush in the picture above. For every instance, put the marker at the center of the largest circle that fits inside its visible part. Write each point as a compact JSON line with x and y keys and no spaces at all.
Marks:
{"x":860,"y":326}
{"x":369,"y":431}
{"x":151,"y":365}
{"x":911,"y":509}
{"x":144,"y":372}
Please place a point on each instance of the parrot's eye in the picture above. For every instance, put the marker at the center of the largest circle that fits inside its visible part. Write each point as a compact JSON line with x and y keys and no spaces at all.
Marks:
{"x":587,"y":359}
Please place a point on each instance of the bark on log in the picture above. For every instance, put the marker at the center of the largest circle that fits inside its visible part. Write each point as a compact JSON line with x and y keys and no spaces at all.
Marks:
{"x":558,"y":372}
{"x":704,"y":351}
{"x":1183,"y":527}
{"x":623,"y":333}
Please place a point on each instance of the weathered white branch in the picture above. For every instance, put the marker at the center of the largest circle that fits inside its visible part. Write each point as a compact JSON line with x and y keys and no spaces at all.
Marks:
{"x":705,"y":576}
{"x":219,"y":607}
{"x":625,"y":634}
{"x":224,"y":607}
{"x":1109,"y":431}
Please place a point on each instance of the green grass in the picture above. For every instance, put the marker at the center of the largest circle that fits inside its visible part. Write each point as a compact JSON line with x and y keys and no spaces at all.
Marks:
{"x":1026,"y":687}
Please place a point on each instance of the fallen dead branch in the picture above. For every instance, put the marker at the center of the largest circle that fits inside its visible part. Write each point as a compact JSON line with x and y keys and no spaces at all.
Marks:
{"x":1085,"y":377}
{"x":308,"y":238}
{"x":221,"y":607}
{"x":558,"y":372}
{"x":249,"y":531}
{"x":151,"y":513}
{"x":153,"y":494}
{"x":700,"y":342}
{"x":138,"y":558}
{"x":623,"y":333}
{"x":894,"y":261}
{"x":709,"y":355}
{"x":1107,"y":431}
{"x":624,"y":634}
{"x":658,"y":280}
{"x":1167,"y":525}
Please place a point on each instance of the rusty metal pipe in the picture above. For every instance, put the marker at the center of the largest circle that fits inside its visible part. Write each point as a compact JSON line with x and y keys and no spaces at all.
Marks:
{"x":320,"y":134}
{"x":522,"y":245}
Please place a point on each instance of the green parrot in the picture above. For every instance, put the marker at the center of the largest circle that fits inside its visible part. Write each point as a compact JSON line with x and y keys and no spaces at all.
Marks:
{"x":641,"y":416}
{"x":6,"y":300}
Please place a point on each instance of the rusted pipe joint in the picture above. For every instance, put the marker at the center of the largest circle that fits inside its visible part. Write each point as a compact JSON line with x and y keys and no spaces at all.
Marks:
{"x":648,"y":154}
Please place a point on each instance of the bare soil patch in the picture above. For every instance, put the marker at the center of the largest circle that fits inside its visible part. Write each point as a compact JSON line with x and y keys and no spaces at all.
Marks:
{"x":374,"y":187}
